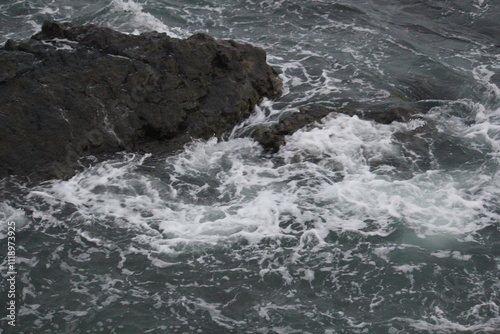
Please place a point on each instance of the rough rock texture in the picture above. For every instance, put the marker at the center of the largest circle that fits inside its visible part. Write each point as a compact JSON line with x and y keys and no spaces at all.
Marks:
{"x":273,"y":137}
{"x":73,"y":91}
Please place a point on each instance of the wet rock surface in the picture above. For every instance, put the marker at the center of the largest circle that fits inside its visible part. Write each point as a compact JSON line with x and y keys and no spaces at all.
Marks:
{"x":273,"y":137}
{"x":385,"y":116}
{"x":84,"y":91}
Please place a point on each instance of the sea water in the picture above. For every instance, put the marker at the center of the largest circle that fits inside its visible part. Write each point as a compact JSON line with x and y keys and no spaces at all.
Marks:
{"x":352,"y":227}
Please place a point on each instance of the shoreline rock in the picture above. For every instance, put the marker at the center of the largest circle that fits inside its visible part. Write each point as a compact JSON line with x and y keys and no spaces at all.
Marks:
{"x":273,"y":137}
{"x":85,"y":91}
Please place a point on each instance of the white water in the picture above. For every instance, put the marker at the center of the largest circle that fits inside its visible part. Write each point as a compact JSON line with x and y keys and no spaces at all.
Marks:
{"x":214,"y":193}
{"x":312,"y":232}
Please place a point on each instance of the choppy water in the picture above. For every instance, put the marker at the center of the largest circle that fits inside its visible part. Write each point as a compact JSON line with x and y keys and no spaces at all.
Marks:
{"x":353,"y":227}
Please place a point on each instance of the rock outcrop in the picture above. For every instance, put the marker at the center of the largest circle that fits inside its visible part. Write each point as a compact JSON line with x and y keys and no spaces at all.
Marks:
{"x":273,"y":137}
{"x":386,"y":116}
{"x":84,"y":91}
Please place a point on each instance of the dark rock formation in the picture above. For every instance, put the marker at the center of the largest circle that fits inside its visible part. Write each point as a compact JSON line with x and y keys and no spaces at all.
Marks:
{"x":273,"y":137}
{"x":387,"y":116}
{"x":73,"y":91}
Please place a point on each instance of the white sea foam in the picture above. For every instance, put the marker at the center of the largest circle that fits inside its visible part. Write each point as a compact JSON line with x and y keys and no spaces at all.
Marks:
{"x":218,"y":192}
{"x":11,"y":214}
{"x":451,"y":254}
{"x":438,"y":323}
{"x":144,"y":216}
{"x":431,"y":202}
{"x":131,"y":15}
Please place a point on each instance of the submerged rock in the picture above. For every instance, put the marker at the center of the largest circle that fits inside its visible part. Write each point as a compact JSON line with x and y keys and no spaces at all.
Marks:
{"x":273,"y":137}
{"x":387,"y":116}
{"x":83,"y":91}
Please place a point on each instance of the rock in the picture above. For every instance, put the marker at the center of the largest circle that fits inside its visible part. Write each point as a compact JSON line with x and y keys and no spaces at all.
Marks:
{"x":387,"y":116}
{"x":75,"y":91}
{"x":273,"y":137}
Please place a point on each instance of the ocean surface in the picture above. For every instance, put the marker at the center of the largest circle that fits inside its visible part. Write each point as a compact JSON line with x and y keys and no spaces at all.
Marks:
{"x":352,"y":227}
